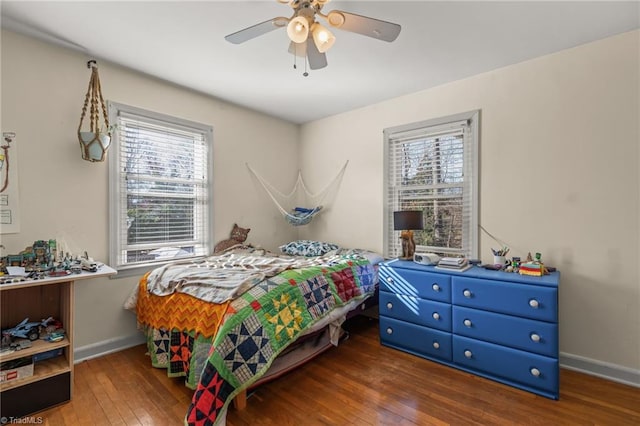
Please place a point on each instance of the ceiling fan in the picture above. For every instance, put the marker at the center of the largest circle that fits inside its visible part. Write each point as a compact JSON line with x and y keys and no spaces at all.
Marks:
{"x":309,"y":38}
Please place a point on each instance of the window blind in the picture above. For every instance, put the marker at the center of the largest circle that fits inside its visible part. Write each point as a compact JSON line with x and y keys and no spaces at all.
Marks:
{"x":162,"y":198}
{"x":430,"y":167}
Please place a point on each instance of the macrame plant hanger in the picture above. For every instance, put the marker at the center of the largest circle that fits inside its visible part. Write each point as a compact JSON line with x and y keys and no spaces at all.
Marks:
{"x":95,"y":142}
{"x":294,"y":211}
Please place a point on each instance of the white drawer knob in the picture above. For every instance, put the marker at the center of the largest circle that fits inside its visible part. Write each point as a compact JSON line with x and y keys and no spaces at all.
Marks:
{"x":389,"y":279}
{"x":389,"y":305}
{"x":534,"y":303}
{"x":535,"y":337}
{"x":467,"y":323}
{"x":389,"y":330}
{"x":535,"y":372}
{"x":436,"y":316}
{"x":435,"y":287}
{"x":468,"y":354}
{"x":467,"y":293}
{"x":436,"y":345}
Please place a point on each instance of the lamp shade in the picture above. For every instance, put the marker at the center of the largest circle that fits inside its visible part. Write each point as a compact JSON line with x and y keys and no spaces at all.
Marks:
{"x":407,"y":220}
{"x":298,"y":29}
{"x":322,"y":37}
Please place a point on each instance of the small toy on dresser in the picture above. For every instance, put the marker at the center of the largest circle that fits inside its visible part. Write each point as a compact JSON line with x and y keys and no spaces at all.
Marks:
{"x":533,"y":267}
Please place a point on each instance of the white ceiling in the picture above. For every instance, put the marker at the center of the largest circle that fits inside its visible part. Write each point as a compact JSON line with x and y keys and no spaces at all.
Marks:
{"x":183,"y":42}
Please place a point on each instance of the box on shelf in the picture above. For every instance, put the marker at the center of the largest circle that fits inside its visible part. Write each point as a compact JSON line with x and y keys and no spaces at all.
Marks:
{"x":47,"y":355}
{"x":15,"y":369}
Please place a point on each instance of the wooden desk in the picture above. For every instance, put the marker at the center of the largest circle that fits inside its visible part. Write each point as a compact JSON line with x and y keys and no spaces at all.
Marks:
{"x":52,"y":380}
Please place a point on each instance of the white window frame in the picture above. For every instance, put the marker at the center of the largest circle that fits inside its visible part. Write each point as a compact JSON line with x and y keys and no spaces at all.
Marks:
{"x":470,"y":238}
{"x":118,"y":189}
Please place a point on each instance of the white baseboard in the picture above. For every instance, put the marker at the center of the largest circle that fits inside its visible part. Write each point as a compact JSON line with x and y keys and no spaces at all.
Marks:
{"x":616,"y":373}
{"x":105,"y":347}
{"x":605,"y":370}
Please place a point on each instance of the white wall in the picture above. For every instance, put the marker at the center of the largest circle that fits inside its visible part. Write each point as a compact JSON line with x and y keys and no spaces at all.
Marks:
{"x":64,"y":197}
{"x":558,"y":175}
{"x":563,"y":127}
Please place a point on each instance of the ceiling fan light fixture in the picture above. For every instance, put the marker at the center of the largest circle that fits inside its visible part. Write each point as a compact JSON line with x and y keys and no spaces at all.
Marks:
{"x":298,"y":29}
{"x":310,"y":39}
{"x":322,"y":37}
{"x":335,"y":18}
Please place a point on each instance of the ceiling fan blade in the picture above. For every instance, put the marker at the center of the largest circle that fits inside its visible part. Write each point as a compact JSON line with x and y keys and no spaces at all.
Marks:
{"x":317,"y":60}
{"x":364,"y":25}
{"x":298,"y":49}
{"x":257,"y":30}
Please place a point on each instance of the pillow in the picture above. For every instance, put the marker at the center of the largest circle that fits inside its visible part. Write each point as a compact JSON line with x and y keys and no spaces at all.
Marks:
{"x":307,"y":248}
{"x":373,"y":257}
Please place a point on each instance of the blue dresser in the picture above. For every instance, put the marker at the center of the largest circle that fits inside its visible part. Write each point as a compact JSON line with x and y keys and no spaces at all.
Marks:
{"x":498,"y":325}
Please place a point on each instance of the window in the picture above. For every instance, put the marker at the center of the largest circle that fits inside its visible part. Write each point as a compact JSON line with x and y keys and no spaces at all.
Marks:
{"x":160,"y":188}
{"x":432,"y":166}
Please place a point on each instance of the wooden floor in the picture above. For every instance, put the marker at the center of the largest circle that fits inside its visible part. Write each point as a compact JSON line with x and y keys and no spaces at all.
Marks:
{"x":358,"y":383}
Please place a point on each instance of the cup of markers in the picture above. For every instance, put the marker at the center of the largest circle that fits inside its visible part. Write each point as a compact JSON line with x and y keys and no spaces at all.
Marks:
{"x":500,"y":256}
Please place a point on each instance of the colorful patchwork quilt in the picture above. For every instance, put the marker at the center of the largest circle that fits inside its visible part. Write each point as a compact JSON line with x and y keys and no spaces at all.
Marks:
{"x":223,"y":348}
{"x":179,"y":329}
{"x":259,"y":324}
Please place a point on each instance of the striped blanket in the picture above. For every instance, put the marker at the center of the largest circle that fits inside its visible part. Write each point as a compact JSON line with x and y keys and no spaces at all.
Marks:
{"x":223,"y":277}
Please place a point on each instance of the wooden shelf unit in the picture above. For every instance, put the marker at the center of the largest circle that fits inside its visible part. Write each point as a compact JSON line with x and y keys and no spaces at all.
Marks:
{"x":52,"y":379}
{"x":42,"y":369}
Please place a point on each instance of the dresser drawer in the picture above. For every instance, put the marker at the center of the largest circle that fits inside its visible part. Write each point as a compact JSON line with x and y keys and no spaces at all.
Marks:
{"x":418,"y":311}
{"x":416,"y":339}
{"x":523,"y":300}
{"x":416,"y":283}
{"x":521,"y":333}
{"x":510,"y":365}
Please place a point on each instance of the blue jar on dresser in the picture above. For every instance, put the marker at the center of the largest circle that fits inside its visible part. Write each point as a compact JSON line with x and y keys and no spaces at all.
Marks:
{"x":498,"y":325}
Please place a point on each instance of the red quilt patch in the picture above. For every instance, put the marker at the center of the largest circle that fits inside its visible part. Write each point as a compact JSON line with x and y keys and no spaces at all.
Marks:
{"x":345,"y":284}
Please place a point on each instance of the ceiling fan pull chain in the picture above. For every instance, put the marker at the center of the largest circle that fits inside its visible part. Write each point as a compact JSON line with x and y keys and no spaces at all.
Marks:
{"x":305,"y":73}
{"x":295,"y":56}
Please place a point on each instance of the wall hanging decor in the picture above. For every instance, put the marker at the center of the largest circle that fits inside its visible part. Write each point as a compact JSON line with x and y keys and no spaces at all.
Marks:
{"x":9,"y":195}
{"x":95,"y":142}
{"x":300,"y":205}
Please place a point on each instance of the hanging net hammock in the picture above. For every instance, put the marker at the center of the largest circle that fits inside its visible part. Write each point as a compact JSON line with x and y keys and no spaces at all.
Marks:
{"x":300,"y":206}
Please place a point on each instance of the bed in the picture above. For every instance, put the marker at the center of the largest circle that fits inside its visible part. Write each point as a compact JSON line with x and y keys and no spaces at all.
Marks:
{"x":232,"y":321}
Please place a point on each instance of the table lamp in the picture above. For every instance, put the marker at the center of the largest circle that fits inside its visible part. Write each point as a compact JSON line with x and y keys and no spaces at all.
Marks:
{"x":406,"y":221}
